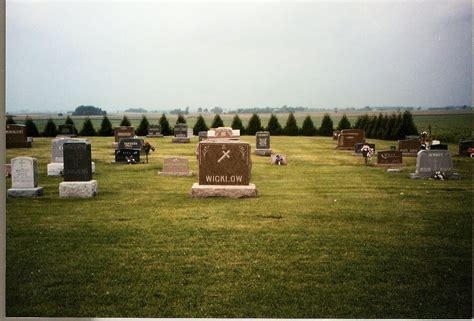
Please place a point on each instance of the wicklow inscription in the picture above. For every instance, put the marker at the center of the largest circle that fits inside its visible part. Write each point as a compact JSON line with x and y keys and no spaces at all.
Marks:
{"x":224,"y":163}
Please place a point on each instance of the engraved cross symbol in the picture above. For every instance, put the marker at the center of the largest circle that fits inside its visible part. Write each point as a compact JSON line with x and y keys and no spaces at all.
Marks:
{"x":224,"y":154}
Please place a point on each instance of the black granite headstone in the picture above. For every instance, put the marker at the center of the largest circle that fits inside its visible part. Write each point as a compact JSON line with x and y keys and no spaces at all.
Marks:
{"x":464,"y":146}
{"x":181,"y":130}
{"x":126,"y":155}
{"x":439,"y":147}
{"x":77,"y":161}
{"x":130,"y":143}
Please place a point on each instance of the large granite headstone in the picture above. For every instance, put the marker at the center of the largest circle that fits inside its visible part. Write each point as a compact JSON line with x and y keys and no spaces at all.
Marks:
{"x":175,"y":166}
{"x":389,"y":158}
{"x":429,"y":162}
{"x":123,"y":132}
{"x":131,"y":143}
{"x":439,"y":147}
{"x":154,"y":131}
{"x":409,"y":147}
{"x":24,"y":173}
{"x":202,"y":135}
{"x":17,"y":137}
{"x":66,"y":130}
{"x":180,"y":134}
{"x":349,"y":137}
{"x":224,"y":170}
{"x":56,"y":167}
{"x":77,"y":171}
{"x":262,"y":143}
{"x":464,"y":146}
{"x":127,"y":156}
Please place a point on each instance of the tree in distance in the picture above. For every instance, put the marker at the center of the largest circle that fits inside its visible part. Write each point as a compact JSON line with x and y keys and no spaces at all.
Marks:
{"x":180,"y":119}
{"x":291,"y":128}
{"x":10,"y":120}
{"x":88,"y":110}
{"x":31,"y":129}
{"x":407,"y":125}
{"x":344,"y":123}
{"x":50,"y":129}
{"x":200,"y":125}
{"x":254,"y":125}
{"x":69,"y":121}
{"x":217,"y":122}
{"x":87,"y":128}
{"x":308,"y":128}
{"x":326,"y":128}
{"x":106,"y":127}
{"x":165,"y":125}
{"x":273,"y":125}
{"x":125,"y":121}
{"x":142,"y":129}
{"x":237,"y":124}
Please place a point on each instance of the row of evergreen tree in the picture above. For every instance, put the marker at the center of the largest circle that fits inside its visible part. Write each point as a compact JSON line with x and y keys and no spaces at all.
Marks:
{"x":391,"y":127}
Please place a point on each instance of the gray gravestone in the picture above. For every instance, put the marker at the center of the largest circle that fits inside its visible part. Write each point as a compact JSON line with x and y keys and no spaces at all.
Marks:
{"x":429,"y":162}
{"x":175,"y":166}
{"x":24,"y":178}
{"x":202,"y":135}
{"x":154,"y":131}
{"x":77,"y":161}
{"x":66,"y":130}
{"x":180,"y":134}
{"x":262,"y":143}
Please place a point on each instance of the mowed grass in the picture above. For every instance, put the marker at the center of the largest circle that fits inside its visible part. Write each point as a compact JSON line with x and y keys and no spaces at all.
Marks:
{"x":327,"y":238}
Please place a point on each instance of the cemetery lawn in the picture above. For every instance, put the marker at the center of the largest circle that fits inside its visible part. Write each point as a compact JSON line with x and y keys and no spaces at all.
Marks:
{"x":327,"y":238}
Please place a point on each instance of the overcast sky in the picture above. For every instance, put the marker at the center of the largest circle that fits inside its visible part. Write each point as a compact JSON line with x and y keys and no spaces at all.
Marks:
{"x":163,"y":55}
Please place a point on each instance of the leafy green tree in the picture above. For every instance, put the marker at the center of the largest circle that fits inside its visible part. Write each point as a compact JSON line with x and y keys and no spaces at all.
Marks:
{"x":31,"y":129}
{"x":291,"y":128}
{"x":407,"y":125}
{"x":10,"y":120}
{"x":87,"y":128}
{"x":142,"y":129}
{"x":237,"y":124}
{"x":308,"y":128}
{"x":125,"y":121}
{"x":344,"y":123}
{"x":254,"y":125}
{"x":88,"y":110}
{"x":217,"y":122}
{"x":165,"y":125}
{"x":106,"y":127}
{"x":274,"y":126}
{"x":200,"y":125}
{"x":180,"y":119}
{"x":69,"y":121}
{"x":50,"y":129}
{"x":326,"y":128}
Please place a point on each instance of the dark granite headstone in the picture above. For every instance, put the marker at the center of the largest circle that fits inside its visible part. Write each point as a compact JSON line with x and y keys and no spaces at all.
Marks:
{"x":122,"y":155}
{"x":262,"y":140}
{"x":439,"y":147}
{"x":181,"y":130}
{"x":389,"y":157}
{"x":154,"y":131}
{"x":16,"y":136}
{"x":349,"y":137}
{"x":77,"y":161}
{"x":464,"y":146}
{"x":131,"y":143}
{"x":358,"y":147}
{"x":66,"y":130}
{"x":224,"y":162}
{"x":409,"y":146}
{"x":124,"y":132}
{"x":202,"y":135}
{"x":412,"y":137}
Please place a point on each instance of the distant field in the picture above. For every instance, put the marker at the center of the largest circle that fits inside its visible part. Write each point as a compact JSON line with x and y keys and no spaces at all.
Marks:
{"x":445,"y":126}
{"x":327,"y":238}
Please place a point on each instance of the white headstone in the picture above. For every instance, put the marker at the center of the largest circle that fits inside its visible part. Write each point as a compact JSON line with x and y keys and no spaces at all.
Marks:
{"x":24,"y":172}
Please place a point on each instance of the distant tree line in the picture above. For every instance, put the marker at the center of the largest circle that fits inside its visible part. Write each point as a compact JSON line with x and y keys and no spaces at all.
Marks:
{"x":88,"y":111}
{"x":383,"y":126}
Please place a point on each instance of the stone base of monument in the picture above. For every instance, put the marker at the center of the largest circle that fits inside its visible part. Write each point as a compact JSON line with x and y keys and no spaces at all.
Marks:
{"x":450,"y":176}
{"x":263,"y":151}
{"x":78,"y":189}
{"x":176,"y":173}
{"x":180,"y":140}
{"x":56,"y":169}
{"x":154,"y":136}
{"x":25,"y":192}
{"x":229,"y":191}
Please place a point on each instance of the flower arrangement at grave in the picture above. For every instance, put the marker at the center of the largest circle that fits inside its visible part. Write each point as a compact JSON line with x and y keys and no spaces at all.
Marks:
{"x":439,"y":175}
{"x":278,"y":159}
{"x":367,"y":152}
{"x":147,"y":147}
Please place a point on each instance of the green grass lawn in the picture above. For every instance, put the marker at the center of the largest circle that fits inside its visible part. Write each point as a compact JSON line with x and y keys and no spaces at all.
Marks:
{"x":327,"y":238}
